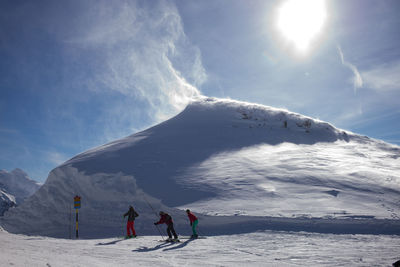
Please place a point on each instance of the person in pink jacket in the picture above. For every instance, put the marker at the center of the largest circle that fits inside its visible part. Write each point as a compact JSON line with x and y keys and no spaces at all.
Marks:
{"x":193,"y":222}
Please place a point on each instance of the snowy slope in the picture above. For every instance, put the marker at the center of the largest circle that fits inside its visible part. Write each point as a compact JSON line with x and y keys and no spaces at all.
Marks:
{"x":255,"y":249}
{"x":223,"y":157}
{"x":159,"y":156}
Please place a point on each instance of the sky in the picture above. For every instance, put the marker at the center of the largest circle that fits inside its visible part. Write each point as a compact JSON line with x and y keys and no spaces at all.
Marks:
{"x":78,"y":74}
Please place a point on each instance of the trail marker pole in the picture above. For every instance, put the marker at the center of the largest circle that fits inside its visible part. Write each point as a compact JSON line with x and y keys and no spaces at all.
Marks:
{"x":70,"y":221}
{"x":77,"y":205}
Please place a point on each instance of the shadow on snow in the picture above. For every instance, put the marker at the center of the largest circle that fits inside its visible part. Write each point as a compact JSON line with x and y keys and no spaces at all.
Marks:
{"x":164,"y":246}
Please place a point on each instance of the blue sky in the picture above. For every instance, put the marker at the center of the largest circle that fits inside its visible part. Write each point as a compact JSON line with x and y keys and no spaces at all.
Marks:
{"x":77,"y":74}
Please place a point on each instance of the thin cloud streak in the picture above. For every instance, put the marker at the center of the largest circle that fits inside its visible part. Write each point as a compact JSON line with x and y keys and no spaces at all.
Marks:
{"x":383,"y":78}
{"x":371,"y":119}
{"x":357,"y":80}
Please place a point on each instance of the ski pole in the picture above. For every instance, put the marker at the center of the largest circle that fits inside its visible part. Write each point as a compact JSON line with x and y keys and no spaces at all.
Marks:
{"x":123,"y":224}
{"x":200,"y":232}
{"x":144,"y":197}
{"x":162,"y":236}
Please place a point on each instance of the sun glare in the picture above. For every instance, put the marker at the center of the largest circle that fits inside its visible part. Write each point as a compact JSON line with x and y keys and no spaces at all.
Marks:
{"x":301,"y":20}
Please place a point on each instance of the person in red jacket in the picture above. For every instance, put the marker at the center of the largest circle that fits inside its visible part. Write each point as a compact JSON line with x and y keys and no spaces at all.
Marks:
{"x":193,"y":222}
{"x":167,"y":219}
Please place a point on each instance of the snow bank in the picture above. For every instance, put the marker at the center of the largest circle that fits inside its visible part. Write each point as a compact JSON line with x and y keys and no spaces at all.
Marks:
{"x":104,"y":197}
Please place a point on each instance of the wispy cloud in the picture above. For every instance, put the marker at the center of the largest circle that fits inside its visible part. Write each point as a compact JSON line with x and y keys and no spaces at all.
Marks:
{"x":357,"y":80}
{"x":55,"y":157}
{"x":383,"y":78}
{"x":381,"y":116}
{"x":348,"y":115}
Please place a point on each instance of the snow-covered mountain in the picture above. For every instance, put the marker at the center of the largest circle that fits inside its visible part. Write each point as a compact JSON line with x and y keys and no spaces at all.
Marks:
{"x":7,"y":201}
{"x":241,"y":164}
{"x":15,"y":187}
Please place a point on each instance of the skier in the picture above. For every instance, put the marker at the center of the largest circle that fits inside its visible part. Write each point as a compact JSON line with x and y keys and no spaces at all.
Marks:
{"x":130,"y":225}
{"x":167,"y":219}
{"x":193,"y":222}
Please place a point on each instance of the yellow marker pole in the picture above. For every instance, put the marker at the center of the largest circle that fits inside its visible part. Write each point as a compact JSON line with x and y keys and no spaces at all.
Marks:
{"x":76,"y":227}
{"x":77,"y":205}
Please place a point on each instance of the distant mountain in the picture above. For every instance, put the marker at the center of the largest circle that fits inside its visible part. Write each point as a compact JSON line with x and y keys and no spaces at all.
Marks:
{"x":15,"y":187}
{"x":6,"y":201}
{"x":240,"y":164}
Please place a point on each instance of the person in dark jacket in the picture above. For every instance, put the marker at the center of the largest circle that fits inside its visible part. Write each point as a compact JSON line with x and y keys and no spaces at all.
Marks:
{"x":130,"y":225}
{"x":167,"y":219}
{"x":193,"y":222}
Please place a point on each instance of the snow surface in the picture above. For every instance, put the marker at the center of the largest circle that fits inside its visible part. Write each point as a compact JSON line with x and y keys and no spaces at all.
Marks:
{"x":268,"y":248}
{"x":346,"y":179}
{"x":241,"y":167}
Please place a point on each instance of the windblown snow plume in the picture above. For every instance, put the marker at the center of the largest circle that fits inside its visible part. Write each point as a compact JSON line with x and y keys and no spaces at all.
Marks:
{"x":142,"y":52}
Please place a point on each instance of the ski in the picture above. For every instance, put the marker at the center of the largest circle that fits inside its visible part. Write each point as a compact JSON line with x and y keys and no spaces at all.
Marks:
{"x":189,"y":237}
{"x":127,"y":238}
{"x":170,"y":241}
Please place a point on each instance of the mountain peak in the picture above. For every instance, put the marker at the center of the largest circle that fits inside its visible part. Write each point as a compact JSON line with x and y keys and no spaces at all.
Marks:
{"x":18,"y":171}
{"x":274,"y":125}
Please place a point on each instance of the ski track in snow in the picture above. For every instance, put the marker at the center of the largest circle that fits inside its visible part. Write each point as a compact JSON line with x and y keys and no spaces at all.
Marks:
{"x":267,"y":248}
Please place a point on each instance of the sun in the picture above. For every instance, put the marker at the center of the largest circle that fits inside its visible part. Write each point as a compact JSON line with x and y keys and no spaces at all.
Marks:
{"x":300,"y":21}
